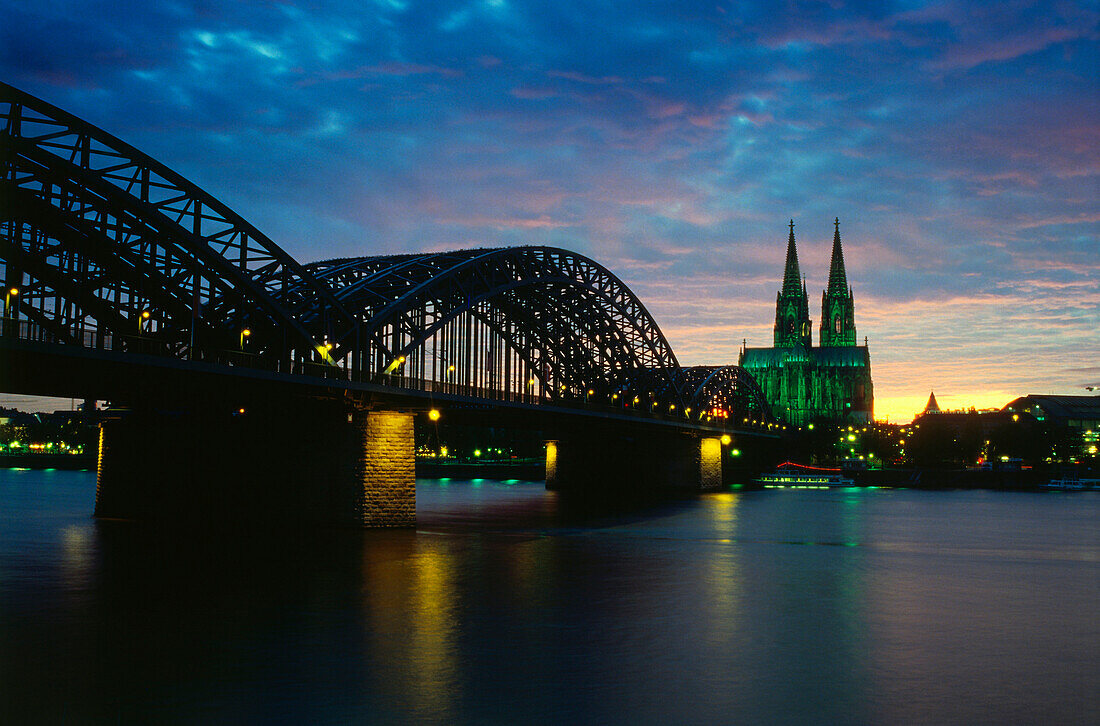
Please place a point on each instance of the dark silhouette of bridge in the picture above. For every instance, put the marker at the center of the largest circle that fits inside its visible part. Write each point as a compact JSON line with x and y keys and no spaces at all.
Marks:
{"x":257,"y":382}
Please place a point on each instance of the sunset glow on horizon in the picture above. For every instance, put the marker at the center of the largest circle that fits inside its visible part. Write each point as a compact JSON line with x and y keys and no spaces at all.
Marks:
{"x":959,"y":146}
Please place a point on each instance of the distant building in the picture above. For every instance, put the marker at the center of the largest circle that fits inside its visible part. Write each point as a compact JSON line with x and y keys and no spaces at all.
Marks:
{"x":931,"y":406}
{"x":1074,"y":412}
{"x":1076,"y":417}
{"x":803,"y":384}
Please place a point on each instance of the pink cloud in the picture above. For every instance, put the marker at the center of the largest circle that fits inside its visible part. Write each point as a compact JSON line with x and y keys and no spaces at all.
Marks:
{"x":392,"y":68}
{"x":666,"y":109}
{"x":541,"y":222}
{"x":396,"y":68}
{"x":706,"y":121}
{"x":582,"y":78}
{"x":528,"y":92}
{"x":1081,"y":218}
{"x":960,"y":56}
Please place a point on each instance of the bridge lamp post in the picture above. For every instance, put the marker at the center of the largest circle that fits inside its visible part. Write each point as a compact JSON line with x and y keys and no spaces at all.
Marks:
{"x":12,"y":292}
{"x":244,"y":334}
{"x":141,"y":321}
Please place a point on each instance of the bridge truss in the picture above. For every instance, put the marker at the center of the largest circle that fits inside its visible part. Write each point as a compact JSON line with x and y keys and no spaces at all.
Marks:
{"x":103,"y":247}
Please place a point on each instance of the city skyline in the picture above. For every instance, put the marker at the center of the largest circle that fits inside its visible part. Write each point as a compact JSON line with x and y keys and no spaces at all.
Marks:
{"x":958,"y":147}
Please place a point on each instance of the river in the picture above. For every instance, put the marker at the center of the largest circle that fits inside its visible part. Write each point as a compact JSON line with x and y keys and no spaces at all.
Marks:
{"x":510,"y":605}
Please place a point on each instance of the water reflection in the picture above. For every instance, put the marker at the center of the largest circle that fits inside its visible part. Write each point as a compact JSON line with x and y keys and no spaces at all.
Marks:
{"x":511,"y":604}
{"x":408,"y":590}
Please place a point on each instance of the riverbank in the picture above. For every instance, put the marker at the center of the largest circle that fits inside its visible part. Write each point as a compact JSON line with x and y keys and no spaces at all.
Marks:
{"x":68,"y":462}
{"x":535,"y":470}
{"x":524,"y":469}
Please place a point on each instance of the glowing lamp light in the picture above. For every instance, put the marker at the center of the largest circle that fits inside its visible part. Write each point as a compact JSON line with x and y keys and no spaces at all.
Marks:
{"x":13,"y":291}
{"x":726,"y":439}
{"x":401,"y":359}
{"x":477,"y":452}
{"x":246,"y":332}
{"x":433,"y":414}
{"x":240,"y":410}
{"x":735,"y":452}
{"x":531,"y":382}
{"x":145,"y":314}
{"x":450,"y":369}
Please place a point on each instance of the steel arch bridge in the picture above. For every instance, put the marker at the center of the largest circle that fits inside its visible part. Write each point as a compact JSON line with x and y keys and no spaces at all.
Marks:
{"x":103,"y":247}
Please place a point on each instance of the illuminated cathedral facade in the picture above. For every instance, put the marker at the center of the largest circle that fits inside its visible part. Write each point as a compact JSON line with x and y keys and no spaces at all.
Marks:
{"x":806,"y":384}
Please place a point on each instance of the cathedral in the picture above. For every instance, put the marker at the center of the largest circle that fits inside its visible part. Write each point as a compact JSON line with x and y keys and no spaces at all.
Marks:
{"x":804,"y":384}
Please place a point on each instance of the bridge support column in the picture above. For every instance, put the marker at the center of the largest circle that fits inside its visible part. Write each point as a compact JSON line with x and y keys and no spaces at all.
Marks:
{"x":385,"y":469}
{"x":644,"y":463}
{"x":317,"y":464}
{"x":710,"y":463}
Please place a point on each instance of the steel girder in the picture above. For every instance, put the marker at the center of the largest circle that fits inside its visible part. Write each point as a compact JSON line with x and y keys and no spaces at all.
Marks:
{"x":576,"y":325}
{"x":727,"y":388}
{"x":192,"y":264}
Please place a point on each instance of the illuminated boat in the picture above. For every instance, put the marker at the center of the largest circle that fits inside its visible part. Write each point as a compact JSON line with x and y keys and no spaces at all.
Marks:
{"x":790,"y":475}
{"x":1072,"y":482}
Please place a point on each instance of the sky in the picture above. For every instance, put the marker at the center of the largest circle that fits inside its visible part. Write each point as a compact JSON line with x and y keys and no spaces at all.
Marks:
{"x":958,"y":143}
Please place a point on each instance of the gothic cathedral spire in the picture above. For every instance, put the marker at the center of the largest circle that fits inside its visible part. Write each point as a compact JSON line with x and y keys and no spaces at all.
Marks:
{"x":792,"y":311}
{"x":838,"y":315}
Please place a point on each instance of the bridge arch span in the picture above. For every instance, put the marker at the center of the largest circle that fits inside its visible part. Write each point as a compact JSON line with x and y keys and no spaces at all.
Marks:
{"x":728,"y":392}
{"x":545,"y":322}
{"x":101,"y":240}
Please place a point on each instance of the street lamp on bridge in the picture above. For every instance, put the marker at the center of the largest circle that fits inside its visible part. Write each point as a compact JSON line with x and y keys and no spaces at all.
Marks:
{"x":12,"y":292}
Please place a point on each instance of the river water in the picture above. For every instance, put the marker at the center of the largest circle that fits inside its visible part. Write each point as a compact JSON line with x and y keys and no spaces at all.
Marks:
{"x":510,"y":605}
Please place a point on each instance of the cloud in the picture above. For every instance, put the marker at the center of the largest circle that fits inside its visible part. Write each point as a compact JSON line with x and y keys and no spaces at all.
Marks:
{"x":582,"y":78}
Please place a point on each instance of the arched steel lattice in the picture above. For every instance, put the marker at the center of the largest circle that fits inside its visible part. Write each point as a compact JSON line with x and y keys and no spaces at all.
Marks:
{"x":104,"y":243}
{"x":727,"y":392}
{"x":102,"y":246}
{"x":540,"y":321}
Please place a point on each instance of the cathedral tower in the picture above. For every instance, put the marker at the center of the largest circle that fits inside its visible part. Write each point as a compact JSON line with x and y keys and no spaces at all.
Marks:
{"x":803,"y":384}
{"x":838,"y":313}
{"x":793,"y":326}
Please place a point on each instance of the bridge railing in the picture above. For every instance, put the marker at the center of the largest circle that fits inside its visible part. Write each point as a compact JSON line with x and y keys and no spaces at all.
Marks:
{"x":150,"y":345}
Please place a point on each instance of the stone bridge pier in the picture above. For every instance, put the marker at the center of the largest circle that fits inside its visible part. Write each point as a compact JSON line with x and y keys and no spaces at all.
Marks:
{"x":317,"y":463}
{"x":603,"y":461}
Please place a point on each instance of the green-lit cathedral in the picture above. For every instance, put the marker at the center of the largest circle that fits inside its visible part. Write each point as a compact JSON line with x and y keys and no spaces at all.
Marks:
{"x":804,"y":384}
